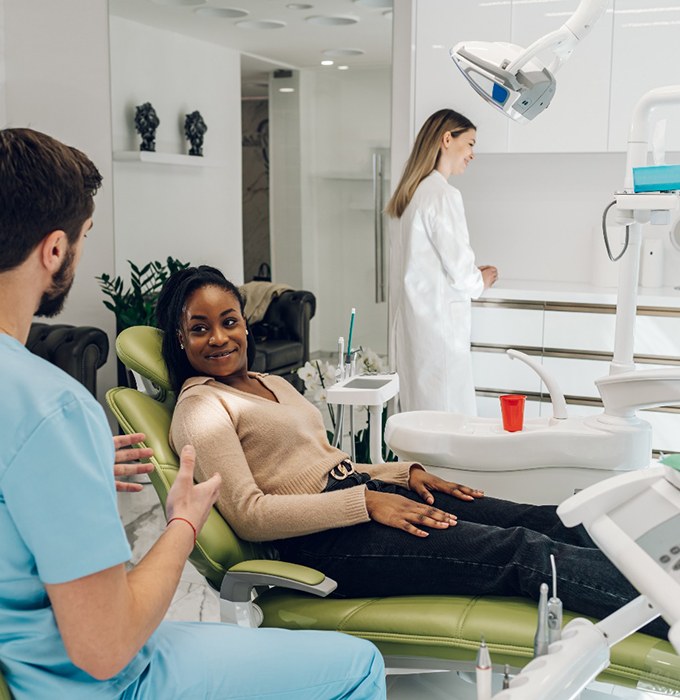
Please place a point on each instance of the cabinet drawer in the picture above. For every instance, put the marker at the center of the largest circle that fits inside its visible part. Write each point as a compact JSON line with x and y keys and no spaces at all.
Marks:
{"x":570,"y":330}
{"x":507,"y":326}
{"x":497,"y":372}
{"x":657,"y":335}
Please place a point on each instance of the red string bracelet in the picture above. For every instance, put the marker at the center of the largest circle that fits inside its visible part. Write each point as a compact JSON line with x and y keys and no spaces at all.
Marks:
{"x":188,"y":522}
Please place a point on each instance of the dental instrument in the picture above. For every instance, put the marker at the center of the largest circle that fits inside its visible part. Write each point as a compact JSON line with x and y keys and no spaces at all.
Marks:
{"x":514,"y":79}
{"x":340,"y":370}
{"x":506,"y":677}
{"x":348,"y":356}
{"x":483,"y":672}
{"x":541,"y":637}
{"x":554,"y":608}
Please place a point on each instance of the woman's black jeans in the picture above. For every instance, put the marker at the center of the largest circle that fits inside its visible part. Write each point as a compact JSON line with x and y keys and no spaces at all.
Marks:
{"x":497,"y":548}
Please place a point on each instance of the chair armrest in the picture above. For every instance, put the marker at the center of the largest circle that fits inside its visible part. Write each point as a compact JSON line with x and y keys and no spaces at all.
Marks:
{"x":241,"y":578}
{"x":79,"y":350}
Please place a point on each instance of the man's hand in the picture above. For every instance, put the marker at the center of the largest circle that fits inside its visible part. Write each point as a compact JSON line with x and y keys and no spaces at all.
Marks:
{"x":189,"y":500}
{"x":397,"y":511}
{"x":125,"y":464}
{"x":423,"y":483}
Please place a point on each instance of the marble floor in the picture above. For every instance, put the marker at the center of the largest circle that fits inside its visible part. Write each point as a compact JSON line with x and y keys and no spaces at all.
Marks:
{"x":144,"y":520}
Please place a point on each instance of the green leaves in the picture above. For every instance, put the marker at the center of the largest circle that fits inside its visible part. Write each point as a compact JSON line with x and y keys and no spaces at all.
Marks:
{"x":136,"y":305}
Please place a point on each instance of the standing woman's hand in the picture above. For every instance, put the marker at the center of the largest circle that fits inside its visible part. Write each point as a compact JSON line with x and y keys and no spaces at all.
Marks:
{"x":489,"y":275}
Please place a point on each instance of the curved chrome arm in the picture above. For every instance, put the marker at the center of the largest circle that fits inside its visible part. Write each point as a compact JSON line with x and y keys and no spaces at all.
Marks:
{"x":559,"y":405}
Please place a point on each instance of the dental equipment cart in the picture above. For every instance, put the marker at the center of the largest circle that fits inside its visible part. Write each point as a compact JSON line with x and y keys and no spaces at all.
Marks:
{"x":371,"y":390}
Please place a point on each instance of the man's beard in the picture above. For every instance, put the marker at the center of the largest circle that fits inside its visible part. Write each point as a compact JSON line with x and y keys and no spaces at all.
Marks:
{"x":52,"y":301}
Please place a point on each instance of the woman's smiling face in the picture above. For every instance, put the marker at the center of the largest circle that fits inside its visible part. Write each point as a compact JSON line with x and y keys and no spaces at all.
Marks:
{"x":214,"y":333}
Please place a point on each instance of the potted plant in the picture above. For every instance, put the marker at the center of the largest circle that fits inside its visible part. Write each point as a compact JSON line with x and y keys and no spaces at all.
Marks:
{"x":135,"y":305}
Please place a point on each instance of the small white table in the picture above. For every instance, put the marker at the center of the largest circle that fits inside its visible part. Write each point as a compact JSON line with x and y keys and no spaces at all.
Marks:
{"x":373,"y":391}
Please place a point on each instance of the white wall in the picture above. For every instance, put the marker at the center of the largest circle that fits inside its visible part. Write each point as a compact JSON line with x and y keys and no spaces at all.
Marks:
{"x":285,"y":187}
{"x":192,"y":213}
{"x":345,"y":117}
{"x":56,"y":59}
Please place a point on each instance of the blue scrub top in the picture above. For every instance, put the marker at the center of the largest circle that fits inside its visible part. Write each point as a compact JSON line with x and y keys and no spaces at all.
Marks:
{"x":58,"y":521}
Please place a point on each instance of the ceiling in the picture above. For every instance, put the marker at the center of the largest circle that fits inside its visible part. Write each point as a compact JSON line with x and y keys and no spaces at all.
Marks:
{"x":352,"y":33}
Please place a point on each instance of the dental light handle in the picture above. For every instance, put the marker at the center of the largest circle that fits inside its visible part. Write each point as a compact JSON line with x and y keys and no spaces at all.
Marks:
{"x":563,"y":40}
{"x":559,"y":405}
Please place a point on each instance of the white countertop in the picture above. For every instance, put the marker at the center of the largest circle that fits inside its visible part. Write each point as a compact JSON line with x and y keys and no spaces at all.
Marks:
{"x":576,"y":292}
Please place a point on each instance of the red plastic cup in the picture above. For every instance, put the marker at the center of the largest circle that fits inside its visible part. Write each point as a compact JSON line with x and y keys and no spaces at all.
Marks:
{"x":512,"y":410}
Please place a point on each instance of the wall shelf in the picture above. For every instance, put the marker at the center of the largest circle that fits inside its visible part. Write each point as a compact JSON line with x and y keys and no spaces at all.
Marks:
{"x":166,"y":159}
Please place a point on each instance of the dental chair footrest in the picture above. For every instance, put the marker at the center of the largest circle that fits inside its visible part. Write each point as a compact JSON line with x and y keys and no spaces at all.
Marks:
{"x":450,"y":628}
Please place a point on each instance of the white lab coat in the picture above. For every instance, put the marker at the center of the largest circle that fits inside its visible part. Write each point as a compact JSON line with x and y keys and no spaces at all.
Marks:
{"x":432,"y":279}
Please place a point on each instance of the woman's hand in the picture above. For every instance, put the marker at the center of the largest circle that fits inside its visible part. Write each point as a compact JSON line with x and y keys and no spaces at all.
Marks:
{"x":124,"y":462}
{"x":423,"y":483}
{"x":489,"y":275}
{"x":404,"y":514}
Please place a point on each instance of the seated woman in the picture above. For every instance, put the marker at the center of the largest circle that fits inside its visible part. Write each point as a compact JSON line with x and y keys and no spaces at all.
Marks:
{"x":377,"y":529}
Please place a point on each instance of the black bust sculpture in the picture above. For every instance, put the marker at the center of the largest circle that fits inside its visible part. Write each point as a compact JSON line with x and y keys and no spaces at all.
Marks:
{"x":194,"y":128}
{"x":146,"y":123}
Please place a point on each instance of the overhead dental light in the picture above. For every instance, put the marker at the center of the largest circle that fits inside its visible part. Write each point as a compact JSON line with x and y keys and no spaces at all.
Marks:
{"x":514,"y":79}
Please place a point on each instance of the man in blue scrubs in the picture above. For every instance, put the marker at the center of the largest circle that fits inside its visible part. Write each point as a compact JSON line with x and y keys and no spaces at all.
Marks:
{"x":74,"y":623}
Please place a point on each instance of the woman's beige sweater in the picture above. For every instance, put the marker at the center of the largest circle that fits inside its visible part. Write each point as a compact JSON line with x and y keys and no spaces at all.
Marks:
{"x":274,"y":459}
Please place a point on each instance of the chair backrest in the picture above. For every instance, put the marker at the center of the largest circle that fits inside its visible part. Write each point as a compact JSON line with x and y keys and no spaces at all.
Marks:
{"x":139,"y":348}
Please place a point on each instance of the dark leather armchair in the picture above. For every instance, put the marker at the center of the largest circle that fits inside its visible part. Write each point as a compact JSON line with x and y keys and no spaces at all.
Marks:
{"x":79,"y":350}
{"x":286,"y":326}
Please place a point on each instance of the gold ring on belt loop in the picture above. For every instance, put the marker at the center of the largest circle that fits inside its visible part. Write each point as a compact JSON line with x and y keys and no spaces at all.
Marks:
{"x":341,"y":471}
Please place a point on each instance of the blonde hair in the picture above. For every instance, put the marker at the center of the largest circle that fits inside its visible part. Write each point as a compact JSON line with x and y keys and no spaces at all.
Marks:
{"x":424,"y":155}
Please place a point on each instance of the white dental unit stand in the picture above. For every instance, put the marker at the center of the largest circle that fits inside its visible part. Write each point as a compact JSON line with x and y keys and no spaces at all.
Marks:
{"x":372,"y":391}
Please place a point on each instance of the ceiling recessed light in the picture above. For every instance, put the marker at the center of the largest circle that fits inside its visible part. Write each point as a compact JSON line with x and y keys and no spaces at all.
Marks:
{"x":286,"y":89}
{"x":343,"y":67}
{"x":299,"y":6}
{"x":337,"y":53}
{"x":332,"y":20}
{"x":180,"y":3}
{"x":327,"y":63}
{"x":374,"y":3}
{"x":260,"y":24}
{"x":223,"y":12}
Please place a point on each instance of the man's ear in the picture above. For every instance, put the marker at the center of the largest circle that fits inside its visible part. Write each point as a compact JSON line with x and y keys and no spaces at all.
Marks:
{"x":53,"y":250}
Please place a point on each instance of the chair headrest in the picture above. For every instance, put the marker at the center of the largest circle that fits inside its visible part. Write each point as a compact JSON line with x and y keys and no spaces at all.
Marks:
{"x":139,"y":349}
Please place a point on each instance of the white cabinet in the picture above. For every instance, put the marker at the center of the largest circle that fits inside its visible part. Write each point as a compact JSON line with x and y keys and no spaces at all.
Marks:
{"x":645,"y":55}
{"x":515,"y":326}
{"x":571,"y":330}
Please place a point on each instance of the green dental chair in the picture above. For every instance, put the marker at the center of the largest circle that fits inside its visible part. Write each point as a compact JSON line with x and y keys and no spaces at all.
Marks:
{"x":415,"y":632}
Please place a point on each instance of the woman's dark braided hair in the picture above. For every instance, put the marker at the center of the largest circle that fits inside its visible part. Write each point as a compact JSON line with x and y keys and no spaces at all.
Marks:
{"x":171,"y":302}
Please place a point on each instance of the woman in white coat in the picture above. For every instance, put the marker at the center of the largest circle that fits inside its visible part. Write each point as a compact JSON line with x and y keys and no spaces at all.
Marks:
{"x":433,"y":275}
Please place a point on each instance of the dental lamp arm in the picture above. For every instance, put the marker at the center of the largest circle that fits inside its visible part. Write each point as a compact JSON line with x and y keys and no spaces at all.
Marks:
{"x":563,"y":40}
{"x":556,"y":395}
